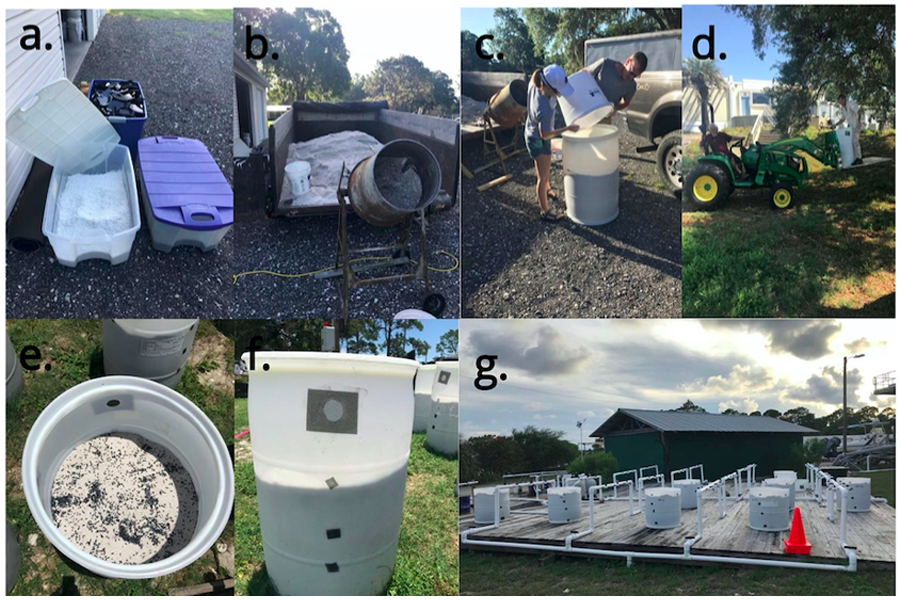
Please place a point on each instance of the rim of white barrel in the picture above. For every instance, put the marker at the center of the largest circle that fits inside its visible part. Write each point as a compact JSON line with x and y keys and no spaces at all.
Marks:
{"x":317,"y":362}
{"x":87,"y":392}
{"x":591,"y":134}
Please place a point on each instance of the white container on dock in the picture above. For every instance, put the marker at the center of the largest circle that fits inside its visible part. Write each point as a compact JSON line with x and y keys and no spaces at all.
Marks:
{"x":770,"y":508}
{"x":564,"y":504}
{"x":859,"y":498}
{"x":786,"y":484}
{"x":484,"y":505}
{"x":688,"y":489}
{"x":662,"y":507}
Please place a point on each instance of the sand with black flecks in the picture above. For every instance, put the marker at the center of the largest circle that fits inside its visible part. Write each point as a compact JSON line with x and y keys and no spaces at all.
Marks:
{"x":124,"y":499}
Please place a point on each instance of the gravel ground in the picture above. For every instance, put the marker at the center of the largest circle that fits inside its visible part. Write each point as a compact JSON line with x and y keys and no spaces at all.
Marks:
{"x":301,"y":245}
{"x":517,"y":266}
{"x":184,"y":68}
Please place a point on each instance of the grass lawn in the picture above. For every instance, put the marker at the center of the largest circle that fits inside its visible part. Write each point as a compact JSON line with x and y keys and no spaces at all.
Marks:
{"x":211,"y":15}
{"x":427,"y":555}
{"x":832,"y":255}
{"x":494,"y":574}
{"x":73,"y":348}
{"x":884,"y":485}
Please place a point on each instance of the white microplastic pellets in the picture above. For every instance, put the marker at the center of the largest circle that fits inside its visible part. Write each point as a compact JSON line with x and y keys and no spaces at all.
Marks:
{"x":124,"y":499}
{"x":89,"y":204}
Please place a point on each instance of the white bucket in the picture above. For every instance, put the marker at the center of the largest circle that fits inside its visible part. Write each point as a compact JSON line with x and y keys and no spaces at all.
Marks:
{"x":330,"y":448}
{"x":413,"y":313}
{"x":153,"y":411}
{"x":586,"y":106}
{"x":845,"y":142}
{"x":155,"y":349}
{"x":563,"y":504}
{"x":688,"y":489}
{"x":423,"y":385}
{"x":443,"y":428}
{"x":297,"y":173}
{"x":663,"y":508}
{"x":591,"y":169}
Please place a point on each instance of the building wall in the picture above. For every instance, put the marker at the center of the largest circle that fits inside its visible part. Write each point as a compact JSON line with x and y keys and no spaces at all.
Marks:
{"x":636,"y":450}
{"x":723,"y":453}
{"x":690,"y":109}
{"x":26,"y":72}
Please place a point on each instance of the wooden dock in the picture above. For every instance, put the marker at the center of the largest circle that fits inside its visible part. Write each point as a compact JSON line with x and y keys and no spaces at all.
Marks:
{"x":872,"y":533}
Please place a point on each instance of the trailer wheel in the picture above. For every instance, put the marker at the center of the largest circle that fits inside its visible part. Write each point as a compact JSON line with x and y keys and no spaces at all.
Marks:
{"x":781,"y":196}
{"x":708,"y":186}
{"x":668,"y":162}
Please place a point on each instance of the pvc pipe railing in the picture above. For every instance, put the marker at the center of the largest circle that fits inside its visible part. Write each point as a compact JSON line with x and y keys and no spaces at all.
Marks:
{"x":647,"y":468}
{"x":688,"y":473}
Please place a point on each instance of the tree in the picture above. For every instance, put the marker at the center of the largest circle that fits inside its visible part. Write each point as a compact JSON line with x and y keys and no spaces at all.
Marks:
{"x":513,"y":40}
{"x":800,"y":454}
{"x":448,"y":344}
{"x":409,"y":86}
{"x":772,"y":413}
{"x":494,"y":457}
{"x":561,"y":32}
{"x":595,"y":463}
{"x":544,"y":448}
{"x":278,"y":334}
{"x":849,"y":47}
{"x":361,"y":336}
{"x":800,"y":416}
{"x":312,"y":57}
{"x":732,"y":411}
{"x":470,"y":61}
{"x":703,"y":76}
{"x":689,"y":407}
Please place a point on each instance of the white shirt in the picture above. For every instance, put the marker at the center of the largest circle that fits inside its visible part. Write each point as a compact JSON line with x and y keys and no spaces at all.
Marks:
{"x":850,"y":113}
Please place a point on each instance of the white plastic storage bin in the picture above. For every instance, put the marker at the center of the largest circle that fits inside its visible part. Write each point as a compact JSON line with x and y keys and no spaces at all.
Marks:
{"x":158,"y":414}
{"x":859,"y":498}
{"x":155,"y":349}
{"x":662,"y":508}
{"x":770,"y":508}
{"x":485,"y":504}
{"x":563,"y":504}
{"x":331,"y":443}
{"x":688,"y":489}
{"x":785,"y":483}
{"x":60,"y":126}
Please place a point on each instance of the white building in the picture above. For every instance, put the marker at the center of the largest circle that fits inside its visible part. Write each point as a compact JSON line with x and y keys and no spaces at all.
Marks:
{"x":69,"y":33}
{"x":250,"y":121}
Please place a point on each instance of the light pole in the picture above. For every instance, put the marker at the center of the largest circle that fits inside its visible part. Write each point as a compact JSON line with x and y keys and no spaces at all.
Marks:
{"x":579,"y":424}
{"x":846,"y":358}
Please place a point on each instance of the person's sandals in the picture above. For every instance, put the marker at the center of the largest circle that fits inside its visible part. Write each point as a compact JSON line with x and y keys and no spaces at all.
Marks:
{"x":551,"y":216}
{"x":551,"y":194}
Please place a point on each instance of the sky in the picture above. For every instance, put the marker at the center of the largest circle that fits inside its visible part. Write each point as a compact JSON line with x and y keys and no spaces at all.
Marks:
{"x":476,"y":20}
{"x":373,"y":32}
{"x":733,"y":36}
{"x":432,"y":330}
{"x":561,"y":371}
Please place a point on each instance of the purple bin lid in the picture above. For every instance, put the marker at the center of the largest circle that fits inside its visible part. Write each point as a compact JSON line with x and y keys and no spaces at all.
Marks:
{"x":184,"y":185}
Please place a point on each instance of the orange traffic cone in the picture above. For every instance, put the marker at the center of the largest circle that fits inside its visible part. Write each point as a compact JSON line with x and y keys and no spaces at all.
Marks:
{"x":796,"y":543}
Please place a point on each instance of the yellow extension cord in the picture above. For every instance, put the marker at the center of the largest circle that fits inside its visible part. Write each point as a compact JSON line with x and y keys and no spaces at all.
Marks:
{"x":361,"y":258}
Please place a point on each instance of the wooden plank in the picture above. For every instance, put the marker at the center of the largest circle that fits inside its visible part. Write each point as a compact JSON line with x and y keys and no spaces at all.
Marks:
{"x":494,"y":182}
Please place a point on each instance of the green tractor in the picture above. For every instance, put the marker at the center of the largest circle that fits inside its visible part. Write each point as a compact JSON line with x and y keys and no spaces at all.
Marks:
{"x":777,"y":166}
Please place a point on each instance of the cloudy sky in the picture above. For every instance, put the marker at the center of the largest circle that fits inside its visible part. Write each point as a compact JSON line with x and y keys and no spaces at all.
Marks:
{"x":561,"y":371}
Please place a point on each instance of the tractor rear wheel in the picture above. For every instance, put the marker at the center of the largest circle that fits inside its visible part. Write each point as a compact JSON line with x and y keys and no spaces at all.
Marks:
{"x":708,"y":185}
{"x":781,"y":196}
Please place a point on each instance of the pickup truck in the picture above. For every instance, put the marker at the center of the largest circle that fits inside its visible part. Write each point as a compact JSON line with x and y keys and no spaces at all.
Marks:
{"x":655,"y":111}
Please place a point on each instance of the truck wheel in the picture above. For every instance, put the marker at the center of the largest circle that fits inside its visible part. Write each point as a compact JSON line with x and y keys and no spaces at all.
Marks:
{"x":708,"y":186}
{"x":781,"y":196}
{"x":668,"y":162}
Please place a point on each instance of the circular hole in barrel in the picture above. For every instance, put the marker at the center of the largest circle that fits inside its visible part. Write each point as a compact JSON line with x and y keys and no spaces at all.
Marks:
{"x":113,"y":403}
{"x":407,"y":176}
{"x":24,"y":245}
{"x":518,"y":89}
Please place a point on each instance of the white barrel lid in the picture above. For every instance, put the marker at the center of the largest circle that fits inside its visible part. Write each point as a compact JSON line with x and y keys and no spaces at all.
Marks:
{"x":854,"y":480}
{"x":661,"y":492}
{"x":565,"y":490}
{"x":489,"y":491}
{"x":685,"y":482}
{"x":59,"y":115}
{"x":779,"y":482}
{"x":769,"y":492}
{"x":154,"y":326}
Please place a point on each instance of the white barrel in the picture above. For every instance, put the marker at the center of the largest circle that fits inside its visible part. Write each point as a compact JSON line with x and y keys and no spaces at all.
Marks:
{"x":446,"y":379}
{"x":297,"y":173}
{"x":423,"y":384}
{"x":413,"y":313}
{"x":586,"y":105}
{"x":688,"y":489}
{"x":589,"y":482}
{"x":845,"y":142}
{"x":484,"y":505}
{"x":15,"y":381}
{"x":443,"y":430}
{"x":859,"y":498}
{"x":130,"y":405}
{"x":791,"y":475}
{"x":154,"y":349}
{"x":662,"y":507}
{"x":770,"y":508}
{"x":591,"y":169}
{"x":564,"y":504}
{"x":786,"y":484}
{"x":331,"y":436}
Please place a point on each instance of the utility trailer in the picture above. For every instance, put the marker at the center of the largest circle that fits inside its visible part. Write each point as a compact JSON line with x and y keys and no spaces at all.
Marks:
{"x":308,"y":120}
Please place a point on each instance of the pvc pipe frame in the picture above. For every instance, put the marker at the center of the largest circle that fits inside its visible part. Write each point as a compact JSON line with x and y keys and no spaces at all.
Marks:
{"x":688,"y":471}
{"x":629,"y":555}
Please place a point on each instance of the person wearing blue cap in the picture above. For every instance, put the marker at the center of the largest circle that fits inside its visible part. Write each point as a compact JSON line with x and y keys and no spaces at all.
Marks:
{"x":545,"y":85}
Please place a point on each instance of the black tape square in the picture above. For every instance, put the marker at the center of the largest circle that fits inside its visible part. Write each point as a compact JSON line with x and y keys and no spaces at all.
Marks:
{"x":444,"y":377}
{"x":332,"y":567}
{"x":332,"y":534}
{"x":332,"y":412}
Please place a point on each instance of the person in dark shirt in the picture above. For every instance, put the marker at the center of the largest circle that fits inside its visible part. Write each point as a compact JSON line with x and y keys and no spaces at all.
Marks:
{"x":716,"y":142}
{"x":617,"y":80}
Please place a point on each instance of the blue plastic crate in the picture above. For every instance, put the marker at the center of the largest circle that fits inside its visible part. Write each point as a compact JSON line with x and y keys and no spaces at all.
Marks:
{"x":130,"y":129}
